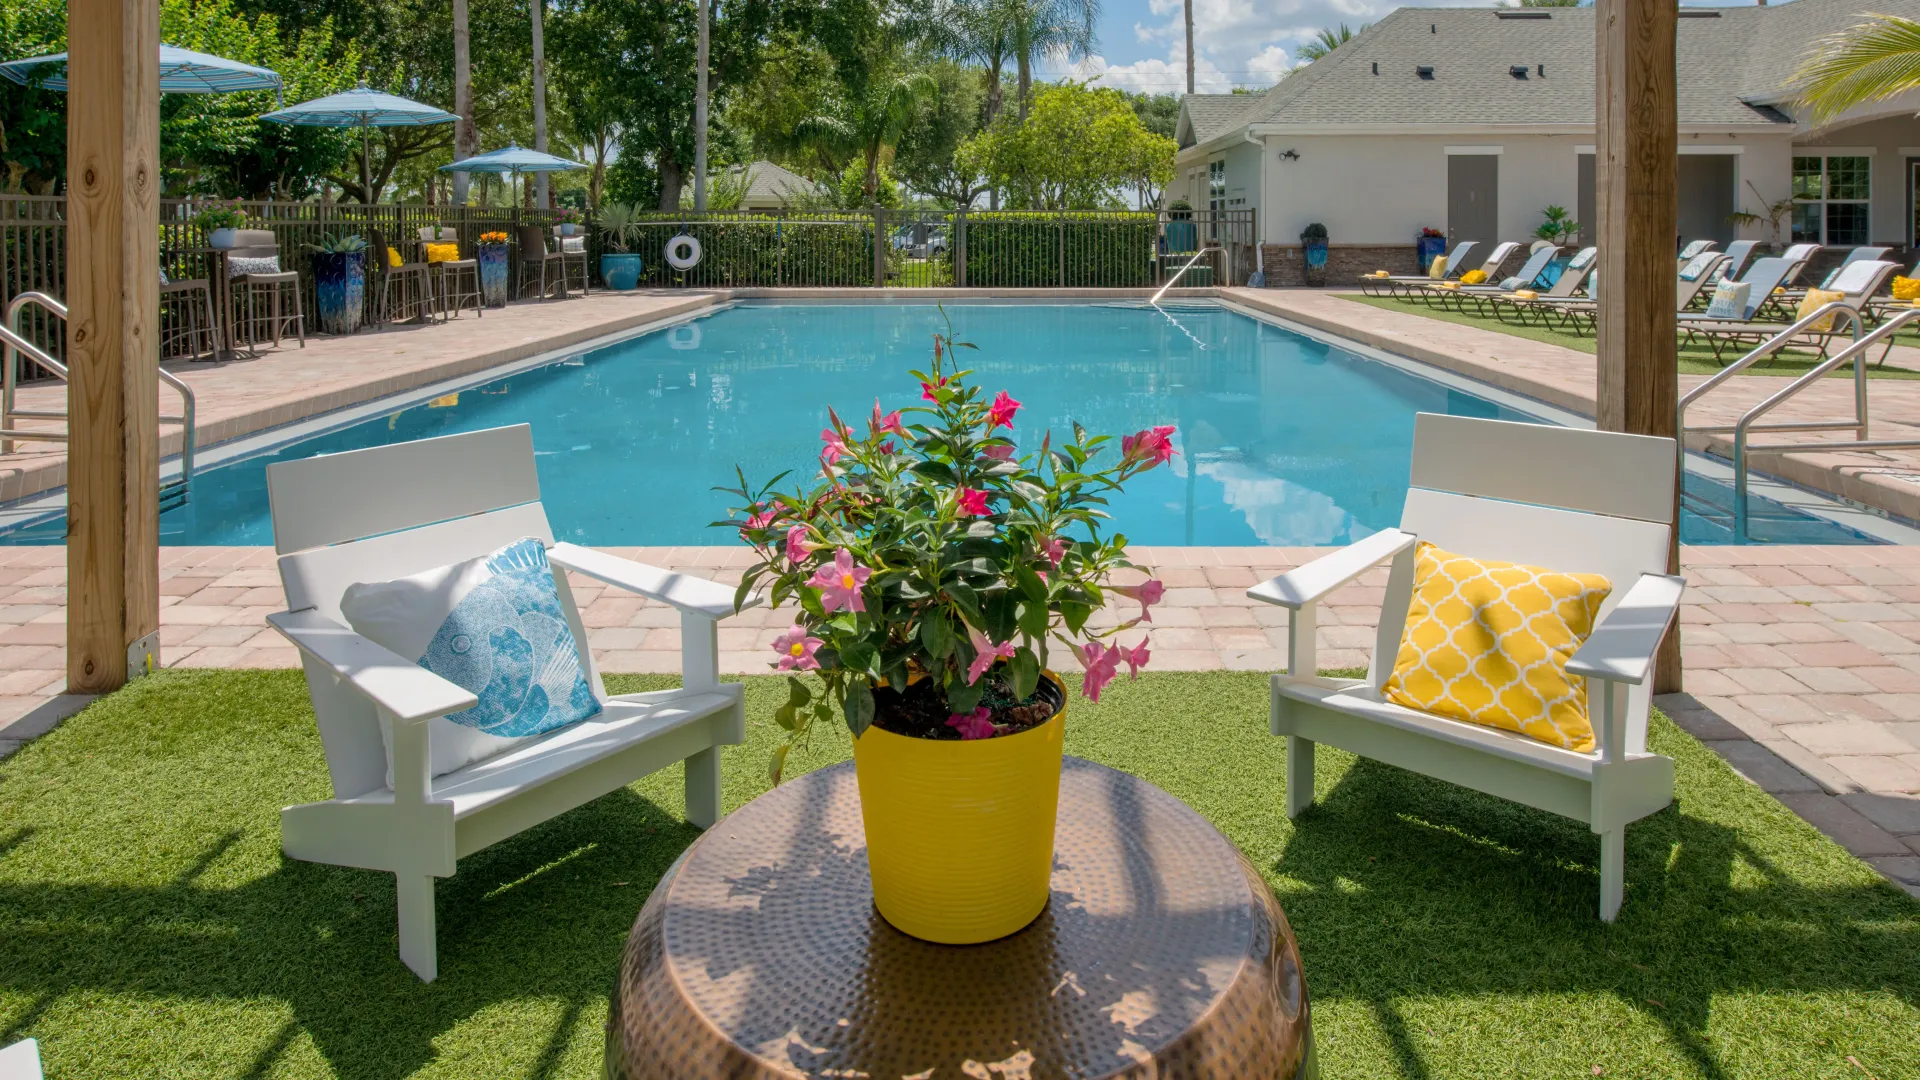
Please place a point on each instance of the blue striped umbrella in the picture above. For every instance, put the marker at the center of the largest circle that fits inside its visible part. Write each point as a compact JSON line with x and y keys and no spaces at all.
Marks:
{"x":514,"y":160}
{"x":182,"y":71}
{"x":363,"y":108}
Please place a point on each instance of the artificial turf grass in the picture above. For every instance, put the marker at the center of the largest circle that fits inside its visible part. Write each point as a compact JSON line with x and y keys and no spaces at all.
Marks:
{"x":1695,"y":358}
{"x":149,"y":926}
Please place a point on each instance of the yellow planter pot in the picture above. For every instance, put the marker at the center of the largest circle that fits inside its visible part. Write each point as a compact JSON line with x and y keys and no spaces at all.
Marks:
{"x":960,"y":833}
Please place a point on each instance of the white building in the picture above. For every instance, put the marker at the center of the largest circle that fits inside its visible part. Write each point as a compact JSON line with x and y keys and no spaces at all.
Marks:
{"x":1472,"y":121}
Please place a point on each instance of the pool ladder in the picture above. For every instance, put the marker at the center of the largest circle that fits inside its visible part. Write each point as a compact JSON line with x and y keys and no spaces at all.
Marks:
{"x":1742,"y":430}
{"x":13,"y":343}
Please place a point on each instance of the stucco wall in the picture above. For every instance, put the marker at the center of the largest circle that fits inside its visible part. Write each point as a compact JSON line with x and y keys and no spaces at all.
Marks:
{"x":1886,"y":137}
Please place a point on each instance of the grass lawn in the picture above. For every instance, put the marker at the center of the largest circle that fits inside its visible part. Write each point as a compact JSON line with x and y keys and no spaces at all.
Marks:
{"x":150,"y":928}
{"x":1695,"y":359}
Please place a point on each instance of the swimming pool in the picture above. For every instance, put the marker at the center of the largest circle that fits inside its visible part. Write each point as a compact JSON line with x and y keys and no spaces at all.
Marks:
{"x":1283,"y":439}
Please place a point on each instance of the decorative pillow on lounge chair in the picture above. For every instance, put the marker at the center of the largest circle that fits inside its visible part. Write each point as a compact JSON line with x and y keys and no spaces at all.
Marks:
{"x":439,"y":253}
{"x":1698,"y":265}
{"x":239,"y":267}
{"x":1488,"y":643}
{"x":1512,"y":283}
{"x":1473,"y":277}
{"x":1906,"y":288}
{"x":393,"y":257}
{"x":1437,"y":269}
{"x":1730,"y":300}
{"x":492,"y":625}
{"x":1814,"y":301}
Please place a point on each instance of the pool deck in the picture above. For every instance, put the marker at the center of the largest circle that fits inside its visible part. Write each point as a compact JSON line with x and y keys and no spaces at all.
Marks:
{"x":1803,"y":663}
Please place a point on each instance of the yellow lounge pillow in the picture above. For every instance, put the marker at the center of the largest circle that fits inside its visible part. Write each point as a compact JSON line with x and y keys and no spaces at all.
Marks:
{"x":1473,"y":277}
{"x":443,"y":253}
{"x":1906,"y":288}
{"x":1488,"y":643}
{"x":1525,"y":294}
{"x":1449,"y":285}
{"x":1814,"y":301}
{"x":1378,"y":274}
{"x":393,"y":257}
{"x":1437,"y":269}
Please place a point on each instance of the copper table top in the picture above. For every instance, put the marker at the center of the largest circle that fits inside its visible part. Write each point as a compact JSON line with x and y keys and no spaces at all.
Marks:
{"x":1161,"y":954}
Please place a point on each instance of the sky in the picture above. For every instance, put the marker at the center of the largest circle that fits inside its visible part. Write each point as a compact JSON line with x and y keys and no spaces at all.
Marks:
{"x":1247,"y":43}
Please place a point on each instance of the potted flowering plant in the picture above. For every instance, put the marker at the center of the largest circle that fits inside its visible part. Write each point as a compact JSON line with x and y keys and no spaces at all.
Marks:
{"x":220,"y":220}
{"x":491,"y":252}
{"x":568,"y":219}
{"x":933,"y":568}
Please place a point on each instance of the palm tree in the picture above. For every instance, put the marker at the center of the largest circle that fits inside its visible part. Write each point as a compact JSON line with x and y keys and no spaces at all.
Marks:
{"x":1868,"y":61}
{"x":871,"y":119}
{"x":466,"y":141}
{"x":973,"y":31}
{"x":1326,"y":41}
{"x":1049,"y":28}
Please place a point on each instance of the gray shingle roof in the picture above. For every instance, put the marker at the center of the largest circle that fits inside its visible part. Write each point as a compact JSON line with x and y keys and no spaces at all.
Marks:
{"x":1743,"y":53}
{"x":770,"y":185}
{"x":1211,"y":114}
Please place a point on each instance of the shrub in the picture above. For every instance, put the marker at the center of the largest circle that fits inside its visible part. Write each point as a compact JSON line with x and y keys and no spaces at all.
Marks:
{"x":1018,"y":250}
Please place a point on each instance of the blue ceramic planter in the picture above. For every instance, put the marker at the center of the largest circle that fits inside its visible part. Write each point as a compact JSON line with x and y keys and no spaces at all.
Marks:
{"x":340,"y":282}
{"x":620,"y":271}
{"x":493,"y":273}
{"x":1316,"y":257}
{"x":1429,"y":248}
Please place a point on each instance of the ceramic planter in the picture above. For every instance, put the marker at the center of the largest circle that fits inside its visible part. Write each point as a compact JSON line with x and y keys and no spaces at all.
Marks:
{"x":1315,"y":252}
{"x":340,"y":285}
{"x":1427,"y":249}
{"x":960,"y":833}
{"x":222,"y":238}
{"x":568,"y":228}
{"x":620,"y":270}
{"x":493,"y":273}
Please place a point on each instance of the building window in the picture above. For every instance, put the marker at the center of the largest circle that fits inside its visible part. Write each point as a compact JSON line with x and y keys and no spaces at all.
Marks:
{"x":1830,"y":199}
{"x":1216,"y":184}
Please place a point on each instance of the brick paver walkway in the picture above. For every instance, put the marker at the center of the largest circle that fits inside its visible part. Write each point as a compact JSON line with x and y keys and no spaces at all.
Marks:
{"x":1803,"y":664}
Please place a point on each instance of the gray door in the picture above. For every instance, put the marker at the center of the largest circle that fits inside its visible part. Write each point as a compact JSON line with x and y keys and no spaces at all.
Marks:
{"x":1473,"y":198}
{"x":1706,"y":198}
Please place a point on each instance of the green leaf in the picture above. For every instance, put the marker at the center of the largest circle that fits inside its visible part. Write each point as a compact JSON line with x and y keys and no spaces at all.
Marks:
{"x":1002,"y":614}
{"x":778,"y":762}
{"x":936,"y":634}
{"x":1034,"y":618}
{"x":1030,"y":583}
{"x":859,"y":656}
{"x":1074,"y":615}
{"x":859,"y":707}
{"x":1025,"y":669}
{"x":980,"y":529}
{"x":967,"y":601}
{"x":962,"y":698}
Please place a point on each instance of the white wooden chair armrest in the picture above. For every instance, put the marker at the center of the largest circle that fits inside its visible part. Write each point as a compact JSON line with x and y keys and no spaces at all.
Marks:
{"x":1621,"y":648}
{"x":692,"y":595}
{"x":1303,"y":585}
{"x":391,"y":681}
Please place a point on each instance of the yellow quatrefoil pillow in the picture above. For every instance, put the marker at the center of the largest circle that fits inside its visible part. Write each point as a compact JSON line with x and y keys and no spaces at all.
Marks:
{"x":1488,"y":643}
{"x":1906,"y":288}
{"x":1473,"y":277}
{"x":438,"y":253}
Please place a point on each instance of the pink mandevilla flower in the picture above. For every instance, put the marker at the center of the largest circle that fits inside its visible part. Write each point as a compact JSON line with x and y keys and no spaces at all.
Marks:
{"x":835,"y":449}
{"x":927,"y":389}
{"x":797,"y":547}
{"x":998,"y":452}
{"x":985,"y":652}
{"x":977,"y":724}
{"x":1102,"y":664}
{"x":763,"y":519}
{"x":973,"y":502}
{"x":796,"y":649}
{"x":1153,"y":446}
{"x":1136,"y":658}
{"x":1147,"y":592}
{"x":1054,"y":549}
{"x":839,"y":582}
{"x":1000,"y":413}
{"x":887,"y":422}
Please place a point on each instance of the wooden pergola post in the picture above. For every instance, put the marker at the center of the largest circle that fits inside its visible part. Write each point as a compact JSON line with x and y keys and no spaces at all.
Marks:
{"x":1636,"y":143}
{"x":113,"y":294}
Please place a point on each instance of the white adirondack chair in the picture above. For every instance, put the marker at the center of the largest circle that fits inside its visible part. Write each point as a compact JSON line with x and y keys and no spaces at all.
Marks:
{"x":391,"y":511}
{"x":1569,"y":500}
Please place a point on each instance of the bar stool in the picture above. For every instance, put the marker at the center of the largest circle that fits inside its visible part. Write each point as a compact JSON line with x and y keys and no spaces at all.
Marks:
{"x":534,"y":257}
{"x":412,"y":279}
{"x":457,"y":279}
{"x":257,"y":281}
{"x":573,"y":255}
{"x":182,"y":302}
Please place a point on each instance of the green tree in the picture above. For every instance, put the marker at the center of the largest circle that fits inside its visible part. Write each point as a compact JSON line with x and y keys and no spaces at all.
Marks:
{"x":927,"y":158}
{"x":1158,"y":113}
{"x":868,"y":119}
{"x":794,"y":77}
{"x":1872,"y":60}
{"x":1326,"y":41}
{"x":33,"y":130}
{"x":974,"y":32}
{"x":1078,"y":149}
{"x":1059,"y":29}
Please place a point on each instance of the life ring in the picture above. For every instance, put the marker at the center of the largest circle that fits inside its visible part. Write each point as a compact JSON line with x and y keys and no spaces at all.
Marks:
{"x":683,"y":252}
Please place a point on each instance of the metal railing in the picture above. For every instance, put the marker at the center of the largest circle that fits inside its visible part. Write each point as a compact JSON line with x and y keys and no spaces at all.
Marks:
{"x":1743,"y":429}
{"x":13,"y":345}
{"x":1162,"y":291}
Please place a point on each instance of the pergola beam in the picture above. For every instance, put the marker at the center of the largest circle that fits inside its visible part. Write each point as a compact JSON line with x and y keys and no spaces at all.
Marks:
{"x":1636,"y":141}
{"x":113,"y":295}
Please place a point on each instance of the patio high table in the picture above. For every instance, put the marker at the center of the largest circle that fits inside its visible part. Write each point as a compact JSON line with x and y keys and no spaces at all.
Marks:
{"x":1161,"y":953}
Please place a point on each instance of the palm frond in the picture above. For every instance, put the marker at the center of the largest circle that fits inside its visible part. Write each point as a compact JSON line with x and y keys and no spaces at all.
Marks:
{"x":1868,"y":61}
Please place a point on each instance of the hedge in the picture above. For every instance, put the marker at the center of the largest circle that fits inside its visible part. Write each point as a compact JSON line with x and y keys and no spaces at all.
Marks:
{"x":1015,"y":250}
{"x":762,"y":251}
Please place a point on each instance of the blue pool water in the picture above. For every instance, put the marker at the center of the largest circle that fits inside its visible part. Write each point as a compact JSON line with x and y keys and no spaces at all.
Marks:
{"x":1282,"y":440}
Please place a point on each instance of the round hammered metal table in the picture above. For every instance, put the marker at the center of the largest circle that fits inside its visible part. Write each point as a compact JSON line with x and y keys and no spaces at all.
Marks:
{"x":1161,"y":954}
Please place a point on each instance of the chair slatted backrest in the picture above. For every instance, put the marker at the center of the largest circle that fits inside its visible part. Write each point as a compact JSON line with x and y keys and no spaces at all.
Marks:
{"x":255,"y":244}
{"x":1738,"y":253}
{"x":1695,"y":276}
{"x":1536,"y":265}
{"x":388,"y":512}
{"x":1566,"y":499}
{"x":1858,"y":281}
{"x":533,"y":241}
{"x":1697,"y":247}
{"x":1457,"y":258}
{"x":1765,"y":275}
{"x":1501,"y":253}
{"x":1798,"y":255}
{"x":1575,"y":273}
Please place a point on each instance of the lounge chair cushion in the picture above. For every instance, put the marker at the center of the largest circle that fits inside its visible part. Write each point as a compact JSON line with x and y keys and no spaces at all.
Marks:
{"x":1473,"y":277}
{"x":1906,"y":288}
{"x":1488,"y":643}
{"x":1730,"y":300}
{"x":492,"y":625}
{"x":1814,"y":301}
{"x":1698,"y":265}
{"x":1437,"y":269}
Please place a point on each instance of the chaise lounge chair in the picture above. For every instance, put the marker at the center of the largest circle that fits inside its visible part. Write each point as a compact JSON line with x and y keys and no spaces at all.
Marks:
{"x":1856,"y":282}
{"x":1547,"y":304}
{"x":1480,"y":295}
{"x":1393,"y":283}
{"x":1694,"y":277}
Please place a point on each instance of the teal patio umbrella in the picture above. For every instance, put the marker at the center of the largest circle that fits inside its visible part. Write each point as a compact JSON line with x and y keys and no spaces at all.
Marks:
{"x":182,"y":71}
{"x":514,"y":160}
{"x":363,"y":108}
